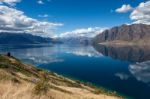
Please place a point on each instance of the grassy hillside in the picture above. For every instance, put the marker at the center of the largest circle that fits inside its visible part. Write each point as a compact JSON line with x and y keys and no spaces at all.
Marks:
{"x":22,"y":81}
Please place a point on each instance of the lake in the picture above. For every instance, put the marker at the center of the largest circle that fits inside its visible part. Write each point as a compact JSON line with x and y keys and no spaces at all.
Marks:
{"x":122,"y":69}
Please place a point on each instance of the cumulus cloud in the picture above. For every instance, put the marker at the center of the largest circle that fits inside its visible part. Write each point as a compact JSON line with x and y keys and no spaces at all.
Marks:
{"x":141,"y":14}
{"x":13,"y":20}
{"x":84,"y":32}
{"x":125,"y":8}
{"x":10,"y":2}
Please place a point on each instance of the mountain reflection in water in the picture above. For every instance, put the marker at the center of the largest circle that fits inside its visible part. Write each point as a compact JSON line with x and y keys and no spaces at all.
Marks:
{"x":124,"y":69}
{"x":44,"y":54}
{"x":125,"y":53}
{"x":139,"y":56}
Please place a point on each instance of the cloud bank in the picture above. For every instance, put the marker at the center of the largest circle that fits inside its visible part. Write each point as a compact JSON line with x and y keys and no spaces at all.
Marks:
{"x":141,"y":14}
{"x":84,"y":32}
{"x":9,"y":2}
{"x":15,"y":21}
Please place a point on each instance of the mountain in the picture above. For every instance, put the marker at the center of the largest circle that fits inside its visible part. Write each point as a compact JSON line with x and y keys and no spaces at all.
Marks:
{"x":80,"y":36}
{"x":131,"y":34}
{"x":75,"y":40}
{"x":22,"y":38}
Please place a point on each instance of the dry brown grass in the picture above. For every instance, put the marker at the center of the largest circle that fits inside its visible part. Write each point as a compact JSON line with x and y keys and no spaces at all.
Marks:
{"x":21,"y":81}
{"x":10,"y":90}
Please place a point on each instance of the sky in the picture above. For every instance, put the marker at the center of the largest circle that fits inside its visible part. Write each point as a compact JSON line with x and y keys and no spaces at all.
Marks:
{"x":63,"y":17}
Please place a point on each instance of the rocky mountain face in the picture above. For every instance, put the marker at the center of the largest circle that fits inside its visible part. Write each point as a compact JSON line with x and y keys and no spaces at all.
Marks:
{"x":22,"y":38}
{"x":131,"y":33}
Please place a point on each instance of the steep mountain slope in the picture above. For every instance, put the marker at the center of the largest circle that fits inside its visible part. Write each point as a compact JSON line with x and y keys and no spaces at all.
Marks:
{"x":22,"y":38}
{"x":135,"y":34}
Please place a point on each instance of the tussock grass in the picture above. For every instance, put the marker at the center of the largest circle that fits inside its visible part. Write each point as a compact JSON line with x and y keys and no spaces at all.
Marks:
{"x":42,"y":87}
{"x":21,"y":81}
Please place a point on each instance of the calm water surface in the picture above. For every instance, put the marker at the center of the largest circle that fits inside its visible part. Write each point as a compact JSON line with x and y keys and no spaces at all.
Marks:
{"x":122,"y":69}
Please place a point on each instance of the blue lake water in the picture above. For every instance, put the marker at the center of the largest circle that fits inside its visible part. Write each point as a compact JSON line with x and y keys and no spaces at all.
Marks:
{"x":122,"y":69}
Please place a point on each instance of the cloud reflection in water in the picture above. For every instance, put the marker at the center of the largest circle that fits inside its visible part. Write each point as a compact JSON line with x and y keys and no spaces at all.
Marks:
{"x":141,"y":71}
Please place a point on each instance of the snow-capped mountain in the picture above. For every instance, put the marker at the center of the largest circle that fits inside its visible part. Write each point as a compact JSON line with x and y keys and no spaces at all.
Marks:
{"x":80,"y":36}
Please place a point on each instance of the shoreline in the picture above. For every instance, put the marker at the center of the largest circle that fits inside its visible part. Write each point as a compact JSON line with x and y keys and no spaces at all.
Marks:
{"x":59,"y":84}
{"x":105,"y":90}
{"x":124,"y":43}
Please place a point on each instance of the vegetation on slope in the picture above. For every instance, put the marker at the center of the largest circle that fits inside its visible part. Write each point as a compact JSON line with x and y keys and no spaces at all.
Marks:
{"x":22,"y":81}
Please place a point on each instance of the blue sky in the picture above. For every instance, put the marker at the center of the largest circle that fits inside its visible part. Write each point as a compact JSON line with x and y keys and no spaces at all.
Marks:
{"x":76,"y":14}
{"x":79,"y":13}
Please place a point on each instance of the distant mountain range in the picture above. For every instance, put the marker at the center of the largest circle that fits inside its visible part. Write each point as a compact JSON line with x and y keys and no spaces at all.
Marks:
{"x":131,"y":34}
{"x":75,"y":40}
{"x":23,"y":38}
{"x":125,"y":34}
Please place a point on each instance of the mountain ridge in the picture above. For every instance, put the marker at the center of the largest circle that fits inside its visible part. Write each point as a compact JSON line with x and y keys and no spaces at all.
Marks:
{"x":22,"y":38}
{"x":134,"y":34}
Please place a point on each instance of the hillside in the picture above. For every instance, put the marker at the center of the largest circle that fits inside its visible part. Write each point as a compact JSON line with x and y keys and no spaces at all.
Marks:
{"x":22,"y":38}
{"x":136,"y":34}
{"x":22,"y":81}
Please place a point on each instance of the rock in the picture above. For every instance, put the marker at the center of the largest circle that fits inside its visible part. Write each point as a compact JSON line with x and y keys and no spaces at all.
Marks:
{"x":130,"y":33}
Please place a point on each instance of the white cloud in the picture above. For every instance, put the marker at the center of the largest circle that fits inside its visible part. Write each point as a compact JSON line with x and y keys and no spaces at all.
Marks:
{"x":10,"y":2}
{"x":40,"y":2}
{"x":125,"y":8}
{"x":141,"y":14}
{"x":43,"y":1}
{"x":13,"y":20}
{"x":84,"y":32}
{"x":43,"y":16}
